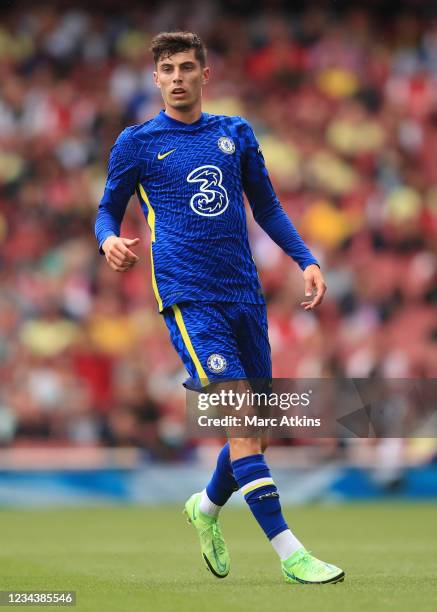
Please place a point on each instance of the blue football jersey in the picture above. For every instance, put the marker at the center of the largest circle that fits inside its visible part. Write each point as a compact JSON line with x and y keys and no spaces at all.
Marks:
{"x":190,"y":179}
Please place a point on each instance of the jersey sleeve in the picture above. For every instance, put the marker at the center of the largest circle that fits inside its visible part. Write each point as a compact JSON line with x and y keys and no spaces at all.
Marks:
{"x":266,"y":208}
{"x":123,"y":176}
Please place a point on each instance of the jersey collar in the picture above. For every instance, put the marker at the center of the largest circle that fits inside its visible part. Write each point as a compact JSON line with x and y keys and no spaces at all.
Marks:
{"x":174,"y":122}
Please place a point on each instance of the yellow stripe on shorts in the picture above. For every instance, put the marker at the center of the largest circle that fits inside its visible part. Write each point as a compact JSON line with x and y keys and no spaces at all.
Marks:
{"x":187,"y":341}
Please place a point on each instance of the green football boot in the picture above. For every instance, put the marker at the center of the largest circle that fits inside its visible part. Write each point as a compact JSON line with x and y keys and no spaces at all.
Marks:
{"x":212,"y":544}
{"x":303,"y":568}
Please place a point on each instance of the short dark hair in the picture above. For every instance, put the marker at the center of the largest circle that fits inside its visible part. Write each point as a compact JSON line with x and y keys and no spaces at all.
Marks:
{"x":165,"y":44}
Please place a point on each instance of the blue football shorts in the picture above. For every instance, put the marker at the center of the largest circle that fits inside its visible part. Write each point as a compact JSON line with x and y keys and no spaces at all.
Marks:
{"x":220,"y":341}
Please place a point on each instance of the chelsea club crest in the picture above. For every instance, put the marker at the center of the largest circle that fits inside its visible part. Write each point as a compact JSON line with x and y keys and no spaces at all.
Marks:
{"x":216,"y":363}
{"x":226,"y":145}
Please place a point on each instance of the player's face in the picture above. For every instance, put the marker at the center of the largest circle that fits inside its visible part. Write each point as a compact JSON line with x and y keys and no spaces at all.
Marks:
{"x":180,"y":78}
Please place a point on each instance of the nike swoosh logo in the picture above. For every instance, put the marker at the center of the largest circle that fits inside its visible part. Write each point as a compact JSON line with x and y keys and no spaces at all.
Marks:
{"x":220,"y":565}
{"x":162,"y":155}
{"x":334,"y":579}
{"x":291,"y":575}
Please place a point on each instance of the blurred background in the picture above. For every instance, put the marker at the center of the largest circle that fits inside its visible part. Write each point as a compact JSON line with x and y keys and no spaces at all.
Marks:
{"x":343,"y":99}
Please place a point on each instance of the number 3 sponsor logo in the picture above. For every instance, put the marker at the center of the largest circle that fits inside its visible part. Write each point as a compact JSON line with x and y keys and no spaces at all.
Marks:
{"x":212,"y":198}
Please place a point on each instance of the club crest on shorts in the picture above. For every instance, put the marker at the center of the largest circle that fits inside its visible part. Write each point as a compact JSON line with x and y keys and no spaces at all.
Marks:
{"x":216,"y":363}
{"x":226,"y":145}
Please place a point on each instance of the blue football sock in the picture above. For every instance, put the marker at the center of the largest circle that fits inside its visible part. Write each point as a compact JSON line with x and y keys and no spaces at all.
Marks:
{"x":222,"y":483}
{"x":253,"y":477}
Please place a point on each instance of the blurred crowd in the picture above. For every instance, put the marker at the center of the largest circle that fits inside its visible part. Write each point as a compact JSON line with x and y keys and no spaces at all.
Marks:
{"x":345,"y":107}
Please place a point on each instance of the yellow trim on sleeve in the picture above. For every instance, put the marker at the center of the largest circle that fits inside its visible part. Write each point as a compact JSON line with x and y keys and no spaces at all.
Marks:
{"x":151,"y":222}
{"x":151,"y":212}
{"x":186,"y":338}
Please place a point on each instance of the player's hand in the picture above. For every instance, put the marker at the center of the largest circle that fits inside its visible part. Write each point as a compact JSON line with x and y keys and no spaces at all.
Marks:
{"x":315,"y":287}
{"x":118,"y":254}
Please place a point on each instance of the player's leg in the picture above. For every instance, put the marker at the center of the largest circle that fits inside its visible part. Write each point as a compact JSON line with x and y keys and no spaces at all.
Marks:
{"x":212,"y":339}
{"x":252,"y":472}
{"x":204,"y":341}
{"x":221,"y":486}
{"x":261,"y":494}
{"x":254,"y":479}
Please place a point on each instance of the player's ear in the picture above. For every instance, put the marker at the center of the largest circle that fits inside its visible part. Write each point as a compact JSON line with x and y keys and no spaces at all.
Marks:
{"x":155,"y":78}
{"x":205,"y":76}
